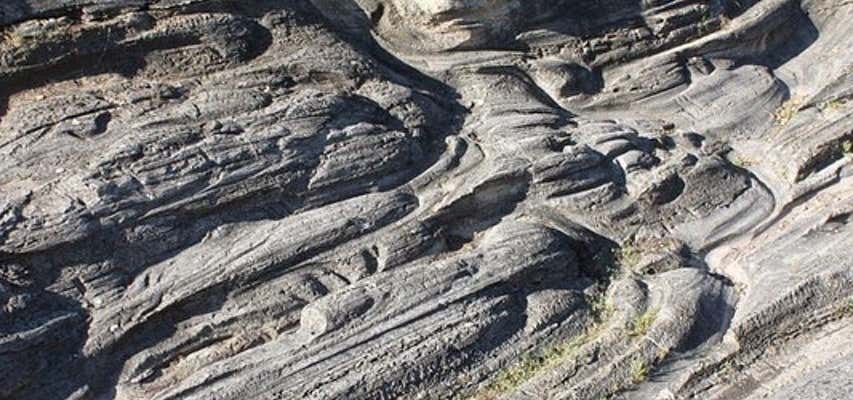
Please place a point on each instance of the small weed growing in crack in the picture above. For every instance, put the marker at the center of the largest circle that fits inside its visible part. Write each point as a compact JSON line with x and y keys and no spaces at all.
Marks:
{"x":532,"y":365}
{"x":600,"y":308}
{"x":639,"y":371}
{"x":847,"y":147}
{"x":728,"y":368}
{"x":629,"y":255}
{"x":787,"y":111}
{"x":12,"y":37}
{"x":830,"y":105}
{"x":846,"y":310}
{"x":742,"y":162}
{"x":535,"y":363}
{"x":641,"y":325}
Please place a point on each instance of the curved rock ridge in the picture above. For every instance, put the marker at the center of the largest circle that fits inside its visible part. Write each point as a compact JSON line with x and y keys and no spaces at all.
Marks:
{"x":426,"y":199}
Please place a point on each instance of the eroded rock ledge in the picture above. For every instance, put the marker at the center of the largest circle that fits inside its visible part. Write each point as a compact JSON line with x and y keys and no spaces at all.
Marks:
{"x":357,"y":199}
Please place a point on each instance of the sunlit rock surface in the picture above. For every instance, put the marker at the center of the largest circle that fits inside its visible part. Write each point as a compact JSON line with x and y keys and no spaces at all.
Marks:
{"x":426,"y":199}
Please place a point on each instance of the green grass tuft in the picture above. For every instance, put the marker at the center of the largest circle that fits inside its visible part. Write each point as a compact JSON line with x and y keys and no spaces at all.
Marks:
{"x":847,"y":147}
{"x":535,"y":363}
{"x":629,"y":255}
{"x":639,"y":371}
{"x":641,"y":325}
{"x":530,"y":366}
{"x":833,"y":104}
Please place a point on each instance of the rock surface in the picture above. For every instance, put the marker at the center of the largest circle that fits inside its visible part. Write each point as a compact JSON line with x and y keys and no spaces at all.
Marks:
{"x":426,"y":199}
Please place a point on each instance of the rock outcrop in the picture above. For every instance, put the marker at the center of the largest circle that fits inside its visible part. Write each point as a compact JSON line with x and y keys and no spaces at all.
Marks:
{"x":431,"y":199}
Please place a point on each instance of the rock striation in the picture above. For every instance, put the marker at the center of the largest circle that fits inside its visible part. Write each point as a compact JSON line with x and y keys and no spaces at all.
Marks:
{"x":426,"y":199}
